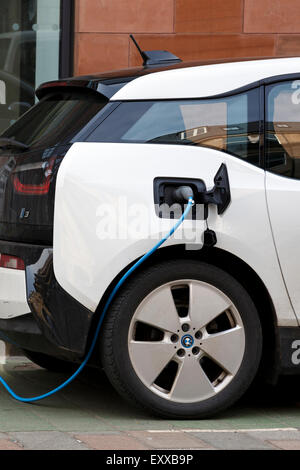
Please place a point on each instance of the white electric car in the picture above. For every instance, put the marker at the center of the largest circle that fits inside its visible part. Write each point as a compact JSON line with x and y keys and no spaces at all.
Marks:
{"x":89,"y":182}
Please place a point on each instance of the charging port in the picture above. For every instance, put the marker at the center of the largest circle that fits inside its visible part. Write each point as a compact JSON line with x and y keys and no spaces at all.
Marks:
{"x":173,"y":193}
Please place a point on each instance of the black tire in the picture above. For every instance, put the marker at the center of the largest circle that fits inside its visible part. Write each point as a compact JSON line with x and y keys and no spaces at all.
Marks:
{"x":50,"y":363}
{"x":114,"y":339}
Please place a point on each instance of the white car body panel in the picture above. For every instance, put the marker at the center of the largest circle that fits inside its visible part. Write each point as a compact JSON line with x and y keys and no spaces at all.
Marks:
{"x":204,"y":80}
{"x":283,"y":197}
{"x":13,"y":300}
{"x":93,"y":174}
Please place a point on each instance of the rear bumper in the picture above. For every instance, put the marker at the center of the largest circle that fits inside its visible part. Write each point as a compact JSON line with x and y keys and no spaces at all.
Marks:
{"x":36,"y":313}
{"x":13,"y":297}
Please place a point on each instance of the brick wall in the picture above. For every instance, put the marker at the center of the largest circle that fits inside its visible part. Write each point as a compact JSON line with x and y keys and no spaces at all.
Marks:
{"x":191,"y":29}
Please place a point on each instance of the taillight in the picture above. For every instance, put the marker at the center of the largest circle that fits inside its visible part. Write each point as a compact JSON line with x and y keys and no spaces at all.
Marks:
{"x":31,"y":189}
{"x":34,"y":189}
{"x":12,"y":262}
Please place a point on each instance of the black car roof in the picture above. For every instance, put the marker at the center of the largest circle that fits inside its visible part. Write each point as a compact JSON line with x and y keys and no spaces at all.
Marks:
{"x":108,"y":83}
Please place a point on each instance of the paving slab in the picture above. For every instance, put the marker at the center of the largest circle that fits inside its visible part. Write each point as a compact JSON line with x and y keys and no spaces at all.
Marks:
{"x":22,"y":420}
{"x":111,"y":442}
{"x":286,"y":445}
{"x":233,"y":441}
{"x":7,"y":444}
{"x":270,"y":435}
{"x":47,"y":440}
{"x":169,"y":440}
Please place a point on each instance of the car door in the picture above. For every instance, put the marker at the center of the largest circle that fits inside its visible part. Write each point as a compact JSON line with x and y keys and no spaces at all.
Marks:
{"x":283,"y":178}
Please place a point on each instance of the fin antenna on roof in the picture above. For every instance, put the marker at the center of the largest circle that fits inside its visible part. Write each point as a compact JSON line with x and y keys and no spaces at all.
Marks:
{"x":155,"y":58}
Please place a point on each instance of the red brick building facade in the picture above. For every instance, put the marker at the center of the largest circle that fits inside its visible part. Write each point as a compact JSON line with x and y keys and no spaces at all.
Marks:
{"x":191,"y":29}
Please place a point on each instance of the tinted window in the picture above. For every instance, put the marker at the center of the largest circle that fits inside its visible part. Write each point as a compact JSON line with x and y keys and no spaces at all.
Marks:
{"x":283,"y":128}
{"x":55,"y":120}
{"x":228,"y":124}
{"x":4,"y":45}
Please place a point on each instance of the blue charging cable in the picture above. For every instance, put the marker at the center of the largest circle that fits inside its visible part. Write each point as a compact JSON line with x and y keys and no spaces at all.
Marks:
{"x":109,"y":300}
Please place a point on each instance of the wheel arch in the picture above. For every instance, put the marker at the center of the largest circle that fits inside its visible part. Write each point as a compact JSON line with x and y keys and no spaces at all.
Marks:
{"x":244,"y":274}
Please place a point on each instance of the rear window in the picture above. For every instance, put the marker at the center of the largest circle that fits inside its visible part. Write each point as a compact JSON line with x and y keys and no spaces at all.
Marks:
{"x":56,"y":119}
{"x":229,"y":124}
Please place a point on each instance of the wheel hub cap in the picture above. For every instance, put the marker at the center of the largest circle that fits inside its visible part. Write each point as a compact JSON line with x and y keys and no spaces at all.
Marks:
{"x":187,"y":341}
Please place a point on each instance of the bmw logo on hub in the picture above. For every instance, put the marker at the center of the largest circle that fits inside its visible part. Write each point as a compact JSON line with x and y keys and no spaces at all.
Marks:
{"x":187,"y":341}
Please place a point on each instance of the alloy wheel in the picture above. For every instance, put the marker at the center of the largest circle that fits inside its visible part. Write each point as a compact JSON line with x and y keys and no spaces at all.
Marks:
{"x":186,"y":341}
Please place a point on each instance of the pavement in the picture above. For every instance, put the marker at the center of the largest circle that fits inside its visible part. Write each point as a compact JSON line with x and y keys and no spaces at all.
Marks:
{"x":89,"y":414}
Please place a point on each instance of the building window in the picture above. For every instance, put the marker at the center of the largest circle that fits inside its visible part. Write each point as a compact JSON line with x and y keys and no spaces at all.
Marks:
{"x":31,"y":49}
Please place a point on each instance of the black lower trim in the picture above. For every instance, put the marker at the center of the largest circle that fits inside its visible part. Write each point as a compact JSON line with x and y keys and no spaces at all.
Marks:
{"x":24,"y":333}
{"x":289,"y":341}
{"x":60,"y":320}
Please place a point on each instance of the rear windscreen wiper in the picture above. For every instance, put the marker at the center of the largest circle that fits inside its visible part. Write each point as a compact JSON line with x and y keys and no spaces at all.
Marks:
{"x":5,"y":142}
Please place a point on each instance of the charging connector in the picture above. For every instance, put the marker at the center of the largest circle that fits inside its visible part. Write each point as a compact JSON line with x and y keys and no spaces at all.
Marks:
{"x":183,"y":193}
